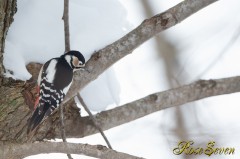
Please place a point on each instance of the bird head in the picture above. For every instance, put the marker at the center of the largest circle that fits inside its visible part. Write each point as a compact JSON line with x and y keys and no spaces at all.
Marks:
{"x":75,"y":59}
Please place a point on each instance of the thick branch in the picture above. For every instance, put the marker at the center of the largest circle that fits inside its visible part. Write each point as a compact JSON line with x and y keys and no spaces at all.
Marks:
{"x":106,"y":57}
{"x":18,"y":151}
{"x":78,"y":127}
{"x":81,"y":126}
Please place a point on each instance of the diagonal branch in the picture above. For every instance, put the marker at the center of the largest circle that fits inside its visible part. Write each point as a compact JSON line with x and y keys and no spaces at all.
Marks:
{"x":82,"y":126}
{"x":19,"y":151}
{"x":107,"y":56}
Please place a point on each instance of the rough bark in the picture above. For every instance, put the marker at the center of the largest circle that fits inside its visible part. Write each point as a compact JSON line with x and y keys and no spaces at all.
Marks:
{"x":13,"y":110}
{"x":7,"y":9}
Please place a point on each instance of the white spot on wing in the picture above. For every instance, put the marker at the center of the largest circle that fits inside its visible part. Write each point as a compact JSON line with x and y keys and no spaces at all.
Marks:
{"x":47,"y":88}
{"x":39,"y":76}
{"x":51,"y":70}
{"x":46,"y":95}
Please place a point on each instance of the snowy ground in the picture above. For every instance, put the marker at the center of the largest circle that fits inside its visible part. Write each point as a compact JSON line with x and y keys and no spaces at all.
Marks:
{"x":37,"y":35}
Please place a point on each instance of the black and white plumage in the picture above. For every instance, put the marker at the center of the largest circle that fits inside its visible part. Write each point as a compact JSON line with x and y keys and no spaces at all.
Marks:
{"x":54,"y":81}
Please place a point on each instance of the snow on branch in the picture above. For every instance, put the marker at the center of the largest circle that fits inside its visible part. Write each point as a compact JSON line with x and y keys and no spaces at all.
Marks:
{"x":19,"y":151}
{"x":107,"y":56}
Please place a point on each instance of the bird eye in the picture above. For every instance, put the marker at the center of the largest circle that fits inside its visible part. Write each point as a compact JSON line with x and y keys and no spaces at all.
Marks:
{"x":81,"y":64}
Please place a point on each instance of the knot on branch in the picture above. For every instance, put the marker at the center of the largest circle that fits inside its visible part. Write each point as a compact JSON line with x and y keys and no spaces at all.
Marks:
{"x":165,"y":20}
{"x":101,"y":147}
{"x":153,"y":97}
{"x":96,"y":56}
{"x":208,"y":84}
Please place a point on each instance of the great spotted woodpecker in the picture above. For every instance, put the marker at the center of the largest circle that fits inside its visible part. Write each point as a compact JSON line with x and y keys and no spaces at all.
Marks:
{"x":54,"y":81}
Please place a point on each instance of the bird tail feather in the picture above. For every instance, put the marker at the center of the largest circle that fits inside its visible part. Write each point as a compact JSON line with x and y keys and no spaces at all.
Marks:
{"x":36,"y":118}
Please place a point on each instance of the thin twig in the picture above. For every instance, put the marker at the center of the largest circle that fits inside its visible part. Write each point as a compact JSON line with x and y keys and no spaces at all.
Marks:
{"x":93,"y":120}
{"x":67,"y":48}
{"x":63,"y":133}
{"x":66,"y":25}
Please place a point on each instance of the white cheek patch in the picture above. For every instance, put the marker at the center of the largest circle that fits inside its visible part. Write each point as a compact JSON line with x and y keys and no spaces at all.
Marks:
{"x":75,"y":62}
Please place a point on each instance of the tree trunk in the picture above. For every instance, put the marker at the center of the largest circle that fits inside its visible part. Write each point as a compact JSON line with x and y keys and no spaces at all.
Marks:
{"x":15,"y":110}
{"x":7,"y":9}
{"x":12,"y":107}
